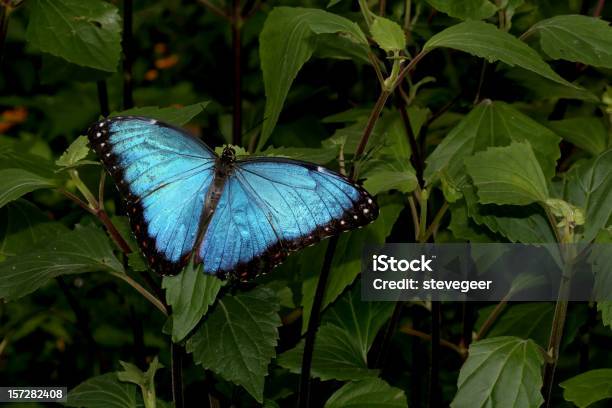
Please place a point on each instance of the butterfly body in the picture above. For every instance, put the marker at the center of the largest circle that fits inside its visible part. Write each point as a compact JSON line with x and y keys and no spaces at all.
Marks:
{"x":238,"y":217}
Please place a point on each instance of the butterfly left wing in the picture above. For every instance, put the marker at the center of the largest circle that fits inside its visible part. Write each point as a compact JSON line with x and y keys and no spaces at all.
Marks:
{"x":163,"y":174}
{"x":271,"y":206}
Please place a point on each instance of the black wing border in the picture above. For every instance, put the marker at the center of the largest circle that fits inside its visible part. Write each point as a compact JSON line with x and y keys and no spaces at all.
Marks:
{"x":98,"y":135}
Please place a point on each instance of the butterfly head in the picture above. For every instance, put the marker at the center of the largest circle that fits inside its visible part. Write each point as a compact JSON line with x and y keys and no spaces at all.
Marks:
{"x":228,"y":155}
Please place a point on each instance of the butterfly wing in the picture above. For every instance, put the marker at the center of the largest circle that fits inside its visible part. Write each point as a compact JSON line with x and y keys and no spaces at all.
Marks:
{"x":163,"y":174}
{"x":271,"y":206}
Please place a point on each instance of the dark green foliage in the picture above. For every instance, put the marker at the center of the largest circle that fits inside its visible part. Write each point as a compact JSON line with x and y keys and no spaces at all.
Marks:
{"x":475,"y":120}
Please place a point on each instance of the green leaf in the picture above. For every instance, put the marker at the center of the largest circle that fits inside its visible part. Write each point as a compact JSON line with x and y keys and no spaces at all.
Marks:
{"x":335,"y":356}
{"x":85,"y":249}
{"x":103,"y":391}
{"x":465,"y":9}
{"x":361,"y":319}
{"x":524,"y":320}
{"x":487,"y":41}
{"x":389,"y":168}
{"x":333,"y":46}
{"x":394,"y":175}
{"x":190,"y":293}
{"x":500,"y":372}
{"x":589,"y":186}
{"x":527,"y":224}
{"x":15,"y":183}
{"x":576,"y":38}
{"x":55,"y":70}
{"x":12,"y":157}
{"x":605,"y":307}
{"x":318,"y":155}
{"x":343,"y":340}
{"x":601,"y":264}
{"x":508,"y":175}
{"x":84,"y":32}
{"x":587,"y":133}
{"x":76,"y":152}
{"x":534,"y":86}
{"x":489,"y":124}
{"x":587,"y":388}
{"x":171,"y":114}
{"x":122,"y":223}
{"x":287,"y":41}
{"x":388,"y":34}
{"x":370,"y":393}
{"x":238,"y":338}
{"x":347,"y":258}
{"x":145,"y":380}
{"x":23,"y":226}
{"x":136,"y":262}
{"x":464,"y":228}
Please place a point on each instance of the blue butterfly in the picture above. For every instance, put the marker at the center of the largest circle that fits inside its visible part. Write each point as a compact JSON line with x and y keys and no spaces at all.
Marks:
{"x":238,"y":217}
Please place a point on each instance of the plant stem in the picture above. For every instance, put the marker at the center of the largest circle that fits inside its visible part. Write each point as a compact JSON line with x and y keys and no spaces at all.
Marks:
{"x":416,"y":333}
{"x":128,"y":98}
{"x":365,"y":12}
{"x":434,"y":369}
{"x":103,"y":97}
{"x":382,"y":5}
{"x":435,"y":224}
{"x":495,"y":313}
{"x":216,"y":10}
{"x":391,"y":327}
{"x":313,"y":324}
{"x":113,"y":232}
{"x":415,"y":157}
{"x":559,"y":317}
{"x":407,"y":10}
{"x":91,"y":200}
{"x":140,"y":289}
{"x":237,"y":46}
{"x":599,"y":8}
{"x":177,"y":352}
{"x":101,"y":189}
{"x":415,"y":217}
{"x":4,"y":22}
{"x":483,"y":72}
{"x":378,"y":107}
{"x":409,"y":67}
{"x":423,"y":198}
{"x":76,"y":200}
{"x":376,"y":65}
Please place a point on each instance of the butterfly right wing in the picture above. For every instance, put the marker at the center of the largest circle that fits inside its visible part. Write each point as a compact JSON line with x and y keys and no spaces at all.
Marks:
{"x":272,"y":206}
{"x":163,"y":173}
